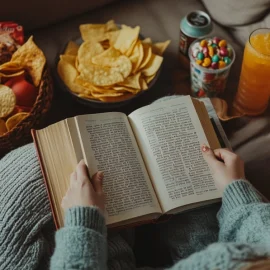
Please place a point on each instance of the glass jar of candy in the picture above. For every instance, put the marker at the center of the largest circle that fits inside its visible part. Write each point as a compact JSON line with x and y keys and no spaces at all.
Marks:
{"x":211,"y":59}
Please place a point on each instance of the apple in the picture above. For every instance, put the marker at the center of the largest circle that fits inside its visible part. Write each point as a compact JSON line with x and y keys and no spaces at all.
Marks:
{"x":10,"y":82}
{"x":25,"y":92}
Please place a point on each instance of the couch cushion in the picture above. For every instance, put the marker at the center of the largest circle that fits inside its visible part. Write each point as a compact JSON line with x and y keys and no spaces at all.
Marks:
{"x":33,"y":14}
{"x":233,"y":12}
{"x":242,"y":32}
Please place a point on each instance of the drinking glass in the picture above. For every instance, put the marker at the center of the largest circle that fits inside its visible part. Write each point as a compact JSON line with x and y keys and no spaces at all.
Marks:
{"x":254,"y":86}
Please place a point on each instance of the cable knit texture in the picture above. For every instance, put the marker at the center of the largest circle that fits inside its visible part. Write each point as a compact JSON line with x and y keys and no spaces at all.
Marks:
{"x":25,"y":217}
{"x":81,"y":244}
{"x":244,"y":235}
{"x":91,"y":219}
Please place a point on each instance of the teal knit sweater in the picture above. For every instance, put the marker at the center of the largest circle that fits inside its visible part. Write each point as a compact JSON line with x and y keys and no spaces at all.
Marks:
{"x":244,"y":235}
{"x":26,"y":228}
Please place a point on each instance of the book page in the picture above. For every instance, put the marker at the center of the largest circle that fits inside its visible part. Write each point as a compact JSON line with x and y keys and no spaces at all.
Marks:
{"x":170,"y":135}
{"x":59,"y":159}
{"x":110,"y":146}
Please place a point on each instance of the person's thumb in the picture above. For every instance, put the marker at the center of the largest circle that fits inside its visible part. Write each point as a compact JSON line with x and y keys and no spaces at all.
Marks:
{"x":209,"y":155}
{"x":97,"y":182}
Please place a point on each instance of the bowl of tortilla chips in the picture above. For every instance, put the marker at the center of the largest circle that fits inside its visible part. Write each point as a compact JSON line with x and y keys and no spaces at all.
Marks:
{"x":109,"y":65}
{"x":16,"y":121}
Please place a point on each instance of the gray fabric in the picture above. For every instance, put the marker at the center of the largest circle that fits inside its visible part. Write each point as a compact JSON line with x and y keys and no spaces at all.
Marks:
{"x":244,"y":237}
{"x":242,"y":33}
{"x":235,"y":13}
{"x":187,"y":233}
{"x":250,"y":138}
{"x":26,"y":228}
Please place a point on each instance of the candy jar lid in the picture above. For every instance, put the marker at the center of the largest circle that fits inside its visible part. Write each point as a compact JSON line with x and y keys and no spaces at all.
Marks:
{"x":196,"y":24}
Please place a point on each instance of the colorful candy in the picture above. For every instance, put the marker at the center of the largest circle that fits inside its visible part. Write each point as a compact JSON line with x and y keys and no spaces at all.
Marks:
{"x":214,"y":65}
{"x":216,"y":40}
{"x":227,"y":60}
{"x":223,"y":51}
{"x":206,"y":62}
{"x":222,"y":43}
{"x":221,"y":64}
{"x":215,"y":58}
{"x":230,"y":52}
{"x":200,"y":56}
{"x":204,"y":43}
{"x":212,"y":53}
{"x":205,"y":52}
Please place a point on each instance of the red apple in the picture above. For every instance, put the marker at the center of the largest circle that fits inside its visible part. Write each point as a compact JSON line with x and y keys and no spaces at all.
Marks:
{"x":11,"y":81}
{"x":24,"y":91}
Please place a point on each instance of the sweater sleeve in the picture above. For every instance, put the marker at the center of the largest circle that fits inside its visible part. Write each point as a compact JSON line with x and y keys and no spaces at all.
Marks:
{"x":243,"y":217}
{"x":81,"y":243}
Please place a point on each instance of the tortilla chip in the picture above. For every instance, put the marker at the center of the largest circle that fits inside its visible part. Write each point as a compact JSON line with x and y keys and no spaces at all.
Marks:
{"x":72,"y":48}
{"x":32,"y":59}
{"x":153,"y":65}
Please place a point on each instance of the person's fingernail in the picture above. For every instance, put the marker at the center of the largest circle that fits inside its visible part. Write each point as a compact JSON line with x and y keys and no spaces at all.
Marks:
{"x":82,"y":161}
{"x":205,"y":148}
{"x":100,"y":175}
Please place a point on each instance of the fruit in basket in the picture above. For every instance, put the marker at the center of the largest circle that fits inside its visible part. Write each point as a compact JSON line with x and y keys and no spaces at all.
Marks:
{"x":24,"y":91}
{"x":19,"y":81}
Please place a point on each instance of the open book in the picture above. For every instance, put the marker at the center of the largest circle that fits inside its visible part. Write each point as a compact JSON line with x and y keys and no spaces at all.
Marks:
{"x":151,"y":159}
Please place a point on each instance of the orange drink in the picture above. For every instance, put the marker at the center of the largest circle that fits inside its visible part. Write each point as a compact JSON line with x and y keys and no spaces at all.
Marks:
{"x":254,"y":87}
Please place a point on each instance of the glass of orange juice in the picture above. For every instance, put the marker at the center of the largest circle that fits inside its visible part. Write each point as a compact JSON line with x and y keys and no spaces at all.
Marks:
{"x":254,"y":87}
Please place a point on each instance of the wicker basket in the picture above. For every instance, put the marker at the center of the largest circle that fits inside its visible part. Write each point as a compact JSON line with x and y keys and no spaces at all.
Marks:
{"x":21,"y":134}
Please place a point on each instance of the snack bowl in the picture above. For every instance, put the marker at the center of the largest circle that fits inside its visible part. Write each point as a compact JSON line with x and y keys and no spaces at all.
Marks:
{"x":111,"y":94}
{"x":97,"y":103}
{"x":101,"y":104}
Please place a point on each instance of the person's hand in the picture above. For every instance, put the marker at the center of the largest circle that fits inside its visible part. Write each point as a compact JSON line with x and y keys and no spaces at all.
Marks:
{"x":224,"y":165}
{"x":83,"y":191}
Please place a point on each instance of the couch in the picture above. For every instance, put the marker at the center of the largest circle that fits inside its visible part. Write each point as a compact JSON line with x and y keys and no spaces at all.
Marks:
{"x":53,"y":23}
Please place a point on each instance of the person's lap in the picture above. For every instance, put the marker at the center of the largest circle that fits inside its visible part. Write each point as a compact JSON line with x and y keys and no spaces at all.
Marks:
{"x":23,"y":198}
{"x":165,"y":243}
